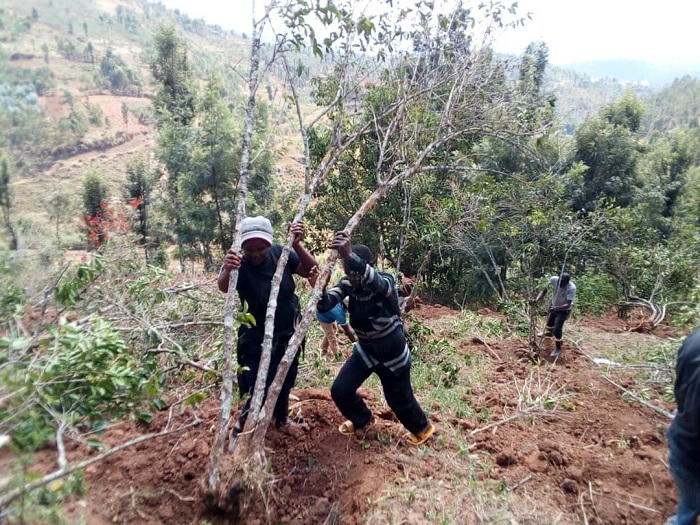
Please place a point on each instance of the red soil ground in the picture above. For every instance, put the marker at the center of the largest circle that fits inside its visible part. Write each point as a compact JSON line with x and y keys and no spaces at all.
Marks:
{"x":601,"y":460}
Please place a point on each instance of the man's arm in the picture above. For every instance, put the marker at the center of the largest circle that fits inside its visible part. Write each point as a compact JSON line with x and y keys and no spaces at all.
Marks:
{"x":348,"y":331}
{"x":539,"y":296}
{"x":306,"y":260}
{"x":332,"y":297}
{"x":232,"y":261}
{"x":562,"y":307}
{"x":369,"y":277}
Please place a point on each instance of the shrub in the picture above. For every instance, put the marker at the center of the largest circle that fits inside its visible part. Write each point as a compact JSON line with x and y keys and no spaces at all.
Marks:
{"x":594,"y":293}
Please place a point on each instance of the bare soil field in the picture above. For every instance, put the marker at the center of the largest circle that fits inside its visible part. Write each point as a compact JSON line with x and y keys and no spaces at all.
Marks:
{"x":593,"y":458}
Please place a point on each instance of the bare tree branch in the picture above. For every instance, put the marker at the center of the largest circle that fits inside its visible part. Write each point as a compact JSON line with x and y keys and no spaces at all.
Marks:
{"x":8,"y":497}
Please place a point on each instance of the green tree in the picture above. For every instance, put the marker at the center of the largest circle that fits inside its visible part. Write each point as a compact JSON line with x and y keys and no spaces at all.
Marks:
{"x":95,"y":210}
{"x":664,"y":169}
{"x":6,"y":201}
{"x":171,"y":69}
{"x":608,"y":147}
{"x":137,"y":194}
{"x":59,"y":205}
{"x":209,"y":187}
{"x":175,"y":106}
{"x":405,"y":224}
{"x":125,"y":114}
{"x":90,"y":53}
{"x":119,"y":75}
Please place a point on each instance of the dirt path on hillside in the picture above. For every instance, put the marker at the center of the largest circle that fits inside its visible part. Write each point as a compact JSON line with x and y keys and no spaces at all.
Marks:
{"x":110,"y":107}
{"x":590,"y":456}
{"x":139,"y":142}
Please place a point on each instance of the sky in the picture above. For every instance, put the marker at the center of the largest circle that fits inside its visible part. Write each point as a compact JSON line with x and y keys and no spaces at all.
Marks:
{"x":574,"y":30}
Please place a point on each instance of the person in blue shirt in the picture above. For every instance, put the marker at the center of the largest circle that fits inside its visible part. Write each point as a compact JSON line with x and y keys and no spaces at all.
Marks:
{"x":328,"y":321}
{"x":684,"y":433}
{"x":381,"y":346}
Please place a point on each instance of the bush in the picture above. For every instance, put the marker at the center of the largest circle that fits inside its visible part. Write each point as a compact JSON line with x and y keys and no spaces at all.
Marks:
{"x":85,"y":373}
{"x":594,"y":294}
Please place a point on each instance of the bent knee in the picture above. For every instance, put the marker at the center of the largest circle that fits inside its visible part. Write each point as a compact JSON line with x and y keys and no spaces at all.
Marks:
{"x":340,"y":391}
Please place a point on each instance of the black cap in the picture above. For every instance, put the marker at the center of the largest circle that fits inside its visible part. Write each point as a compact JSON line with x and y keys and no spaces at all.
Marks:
{"x":364,"y":252}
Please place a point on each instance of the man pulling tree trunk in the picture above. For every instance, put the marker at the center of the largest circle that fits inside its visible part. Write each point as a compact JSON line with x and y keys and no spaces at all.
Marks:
{"x":559,"y":308}
{"x":256,"y":267}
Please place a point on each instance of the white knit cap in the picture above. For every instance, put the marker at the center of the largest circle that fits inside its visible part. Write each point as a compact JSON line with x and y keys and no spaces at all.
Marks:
{"x":256,"y":228}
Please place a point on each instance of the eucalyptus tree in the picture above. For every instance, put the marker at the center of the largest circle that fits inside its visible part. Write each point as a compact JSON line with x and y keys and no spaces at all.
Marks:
{"x":175,"y":105}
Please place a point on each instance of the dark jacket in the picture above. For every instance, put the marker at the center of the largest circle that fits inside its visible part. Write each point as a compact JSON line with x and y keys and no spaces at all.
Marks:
{"x":374,"y":313}
{"x":684,"y":433}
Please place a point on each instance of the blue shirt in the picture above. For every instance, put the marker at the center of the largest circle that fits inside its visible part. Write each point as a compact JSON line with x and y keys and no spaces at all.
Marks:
{"x":337,"y":313}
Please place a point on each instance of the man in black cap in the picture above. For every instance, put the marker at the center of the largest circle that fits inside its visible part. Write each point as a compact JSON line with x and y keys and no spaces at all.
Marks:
{"x":559,"y":308}
{"x":256,"y":267}
{"x":381,"y":346}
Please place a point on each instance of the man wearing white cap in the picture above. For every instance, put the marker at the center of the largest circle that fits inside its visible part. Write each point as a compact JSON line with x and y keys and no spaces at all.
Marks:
{"x":257,"y":265}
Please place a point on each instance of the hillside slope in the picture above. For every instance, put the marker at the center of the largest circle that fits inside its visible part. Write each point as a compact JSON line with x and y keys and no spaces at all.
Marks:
{"x":547,"y":443}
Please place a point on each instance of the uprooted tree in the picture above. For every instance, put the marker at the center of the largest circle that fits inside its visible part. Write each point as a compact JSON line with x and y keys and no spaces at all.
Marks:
{"x":417,"y":111}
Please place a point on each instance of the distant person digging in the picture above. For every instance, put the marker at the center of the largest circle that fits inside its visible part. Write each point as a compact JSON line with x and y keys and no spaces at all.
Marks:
{"x":559,"y":308}
{"x":381,"y":347}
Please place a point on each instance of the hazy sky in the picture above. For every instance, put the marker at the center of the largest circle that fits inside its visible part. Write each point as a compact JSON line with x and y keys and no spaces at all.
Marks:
{"x":574,"y":30}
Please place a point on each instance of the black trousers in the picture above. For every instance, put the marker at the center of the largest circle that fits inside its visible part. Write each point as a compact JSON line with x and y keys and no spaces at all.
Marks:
{"x":397,"y":391}
{"x":248,"y":354}
{"x":555,"y":324}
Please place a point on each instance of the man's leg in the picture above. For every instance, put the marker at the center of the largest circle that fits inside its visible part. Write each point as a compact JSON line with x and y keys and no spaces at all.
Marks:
{"x":333,"y":346}
{"x":558,"y":331}
{"x":248,"y":358}
{"x":399,"y":396}
{"x":329,"y":340}
{"x":547,"y":332}
{"x":344,"y":391}
{"x":279,"y":346}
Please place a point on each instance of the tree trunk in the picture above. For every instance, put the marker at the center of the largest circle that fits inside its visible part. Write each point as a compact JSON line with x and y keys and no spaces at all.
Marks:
{"x":212,"y":486}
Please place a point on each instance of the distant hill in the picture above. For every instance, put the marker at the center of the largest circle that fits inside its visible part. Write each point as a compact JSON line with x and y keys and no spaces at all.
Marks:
{"x":635,"y":70}
{"x":579,"y":95}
